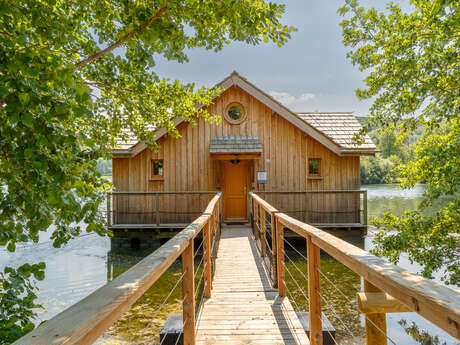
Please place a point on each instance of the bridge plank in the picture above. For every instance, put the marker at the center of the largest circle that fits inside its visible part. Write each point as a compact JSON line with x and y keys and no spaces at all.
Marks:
{"x":244,"y":307}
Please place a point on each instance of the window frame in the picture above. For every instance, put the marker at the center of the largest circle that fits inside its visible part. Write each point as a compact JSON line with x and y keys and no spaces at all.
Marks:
{"x":229,"y":119}
{"x":317,"y":175}
{"x":153,"y":176}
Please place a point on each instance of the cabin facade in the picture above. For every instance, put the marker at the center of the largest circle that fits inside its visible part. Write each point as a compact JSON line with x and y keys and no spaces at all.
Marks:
{"x":302,"y":163}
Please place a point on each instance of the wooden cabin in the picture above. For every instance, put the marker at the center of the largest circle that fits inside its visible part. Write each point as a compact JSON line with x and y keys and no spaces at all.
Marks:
{"x":305,"y":164}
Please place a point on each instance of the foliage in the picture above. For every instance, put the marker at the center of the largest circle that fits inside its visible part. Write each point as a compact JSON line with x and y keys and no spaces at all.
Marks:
{"x":376,"y":170}
{"x":77,"y":75}
{"x":421,"y":337}
{"x":17,"y":300}
{"x":411,"y":60}
{"x":379,"y":169}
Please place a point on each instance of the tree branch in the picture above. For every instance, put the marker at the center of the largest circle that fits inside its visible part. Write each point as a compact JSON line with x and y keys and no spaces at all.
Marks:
{"x":121,"y":41}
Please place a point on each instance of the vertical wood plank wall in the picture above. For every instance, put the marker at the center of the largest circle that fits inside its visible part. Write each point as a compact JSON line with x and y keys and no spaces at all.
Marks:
{"x":188,"y":165}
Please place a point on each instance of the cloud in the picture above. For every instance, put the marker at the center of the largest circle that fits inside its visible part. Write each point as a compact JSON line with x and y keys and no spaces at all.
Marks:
{"x":287,"y":99}
{"x":306,"y":96}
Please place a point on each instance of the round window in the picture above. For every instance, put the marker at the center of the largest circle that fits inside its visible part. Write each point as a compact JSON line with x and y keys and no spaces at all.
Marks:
{"x":235,"y":113}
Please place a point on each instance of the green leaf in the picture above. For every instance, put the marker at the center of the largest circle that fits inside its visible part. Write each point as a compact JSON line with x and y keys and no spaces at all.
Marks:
{"x":27,"y":119}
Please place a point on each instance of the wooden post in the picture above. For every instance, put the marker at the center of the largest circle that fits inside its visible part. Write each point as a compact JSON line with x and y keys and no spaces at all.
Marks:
{"x":274,"y":249}
{"x":253,"y":212}
{"x":374,"y":335}
{"x":157,"y":209}
{"x":188,"y":294}
{"x":316,"y":330}
{"x":207,"y":231}
{"x":109,"y":218}
{"x":365,"y":207}
{"x":263,"y":242}
{"x":280,"y":261}
{"x":256,"y":223}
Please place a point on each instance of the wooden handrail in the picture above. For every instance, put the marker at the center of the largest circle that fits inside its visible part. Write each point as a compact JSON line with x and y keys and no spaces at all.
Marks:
{"x":433,"y":301}
{"x":85,"y":321}
{"x":361,"y":191}
{"x":269,"y":208}
{"x":165,"y":193}
{"x":212,"y":204}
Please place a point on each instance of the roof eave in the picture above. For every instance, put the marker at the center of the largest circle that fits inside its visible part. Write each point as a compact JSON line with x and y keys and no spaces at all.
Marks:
{"x":358,"y":152}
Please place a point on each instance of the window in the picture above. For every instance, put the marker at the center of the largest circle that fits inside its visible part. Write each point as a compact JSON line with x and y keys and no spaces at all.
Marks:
{"x":234,"y":113}
{"x":156,"y":170}
{"x":314,"y":167}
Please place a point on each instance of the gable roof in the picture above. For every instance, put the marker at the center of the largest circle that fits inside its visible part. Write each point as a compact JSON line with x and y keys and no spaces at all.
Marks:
{"x":306,"y":123}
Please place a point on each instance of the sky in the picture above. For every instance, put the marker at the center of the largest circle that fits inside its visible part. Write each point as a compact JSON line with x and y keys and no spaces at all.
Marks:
{"x":309,"y":73}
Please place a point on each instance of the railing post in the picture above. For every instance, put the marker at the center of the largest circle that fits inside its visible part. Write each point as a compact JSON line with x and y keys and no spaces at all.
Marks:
{"x":109,"y":218}
{"x":253,"y":208}
{"x":376,"y":324}
{"x":157,"y":209}
{"x":207,"y":233}
{"x":280,"y":255}
{"x":188,"y":294}
{"x":263,"y":241}
{"x":365,"y":207}
{"x":274,"y":249}
{"x":256,"y":223}
{"x":316,"y":330}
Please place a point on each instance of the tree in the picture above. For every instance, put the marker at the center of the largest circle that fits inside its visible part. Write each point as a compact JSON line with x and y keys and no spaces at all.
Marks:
{"x":76,"y":75}
{"x":412,"y":60}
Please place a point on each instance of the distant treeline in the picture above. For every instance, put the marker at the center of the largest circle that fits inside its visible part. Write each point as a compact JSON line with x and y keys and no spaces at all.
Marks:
{"x":104,"y":167}
{"x":379,"y":169}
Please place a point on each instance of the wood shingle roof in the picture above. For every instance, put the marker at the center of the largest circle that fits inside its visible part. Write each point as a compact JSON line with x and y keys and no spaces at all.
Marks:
{"x":340,"y":127}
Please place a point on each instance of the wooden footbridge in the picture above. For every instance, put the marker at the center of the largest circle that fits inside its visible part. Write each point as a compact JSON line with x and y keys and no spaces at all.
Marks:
{"x":245,"y":293}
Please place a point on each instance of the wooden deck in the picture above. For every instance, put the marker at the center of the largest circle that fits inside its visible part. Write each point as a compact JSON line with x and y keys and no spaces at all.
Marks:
{"x":244,"y":308}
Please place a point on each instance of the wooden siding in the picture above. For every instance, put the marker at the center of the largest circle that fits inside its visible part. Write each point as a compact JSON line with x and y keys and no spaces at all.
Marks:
{"x":188,"y":165}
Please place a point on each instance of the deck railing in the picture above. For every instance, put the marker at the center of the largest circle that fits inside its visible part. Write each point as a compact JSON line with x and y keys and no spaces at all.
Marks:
{"x":88,"y":319}
{"x":155,"y":208}
{"x":387,"y":288}
{"x":323,"y":208}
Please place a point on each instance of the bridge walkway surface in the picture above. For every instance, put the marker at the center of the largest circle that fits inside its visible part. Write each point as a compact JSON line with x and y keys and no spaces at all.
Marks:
{"x":244,"y":307}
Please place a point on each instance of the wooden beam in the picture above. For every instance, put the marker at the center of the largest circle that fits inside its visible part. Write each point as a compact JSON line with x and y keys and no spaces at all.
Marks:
{"x":376,"y":323}
{"x":274,"y":251}
{"x":263,"y":241}
{"x":188,"y":294}
{"x":435,"y":302}
{"x":207,"y":234}
{"x":212,"y":204}
{"x":263,"y":203}
{"x":314,"y":298}
{"x":280,"y":255}
{"x":379,"y":302}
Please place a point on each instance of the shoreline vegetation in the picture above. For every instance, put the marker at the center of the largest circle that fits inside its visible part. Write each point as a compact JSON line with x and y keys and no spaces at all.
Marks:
{"x":380,"y":169}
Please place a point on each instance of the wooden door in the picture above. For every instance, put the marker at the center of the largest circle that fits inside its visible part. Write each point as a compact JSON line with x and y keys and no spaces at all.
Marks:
{"x":235,"y":189}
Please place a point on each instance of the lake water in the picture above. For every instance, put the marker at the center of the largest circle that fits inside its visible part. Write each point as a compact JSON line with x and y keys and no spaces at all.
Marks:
{"x":85,"y":264}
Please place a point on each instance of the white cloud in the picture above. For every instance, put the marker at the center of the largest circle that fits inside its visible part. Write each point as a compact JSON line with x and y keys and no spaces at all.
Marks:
{"x":282,"y":97}
{"x":306,"y":96}
{"x":287,"y":99}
